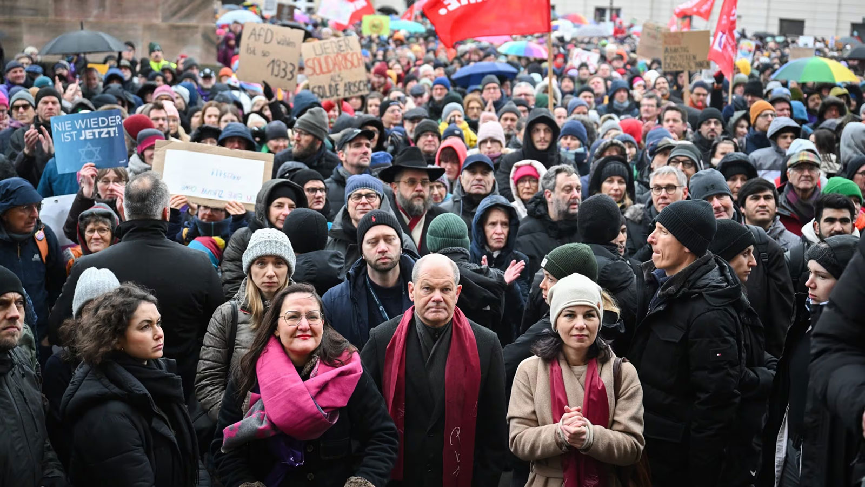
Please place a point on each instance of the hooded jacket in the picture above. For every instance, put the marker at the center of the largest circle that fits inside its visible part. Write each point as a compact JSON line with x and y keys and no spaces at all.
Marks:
{"x":829,"y":101}
{"x":518,"y":204}
{"x":232,"y":266}
{"x":460,"y":148}
{"x":852,"y":144}
{"x":502,"y":260}
{"x":74,"y":253}
{"x":595,"y":180}
{"x":769,"y":161}
{"x":549,"y":157}
{"x":539,"y":234}
{"x":465,"y":205}
{"x":630,"y":108}
{"x":79,"y":205}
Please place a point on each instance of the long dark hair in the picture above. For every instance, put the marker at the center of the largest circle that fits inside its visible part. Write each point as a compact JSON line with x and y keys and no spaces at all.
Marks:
{"x":331,"y":348}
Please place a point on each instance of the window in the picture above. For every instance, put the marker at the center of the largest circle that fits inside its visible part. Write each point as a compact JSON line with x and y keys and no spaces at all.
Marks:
{"x":601,"y":14}
{"x":791,"y":27}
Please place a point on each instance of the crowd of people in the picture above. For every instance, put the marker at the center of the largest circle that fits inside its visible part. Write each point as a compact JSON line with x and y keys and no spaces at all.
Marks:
{"x":654,"y":283}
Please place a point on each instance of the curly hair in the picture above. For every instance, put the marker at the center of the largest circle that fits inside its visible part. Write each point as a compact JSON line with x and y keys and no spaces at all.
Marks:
{"x":97,"y":333}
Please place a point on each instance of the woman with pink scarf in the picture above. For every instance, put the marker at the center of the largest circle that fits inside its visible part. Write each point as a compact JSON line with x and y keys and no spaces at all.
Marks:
{"x":300,"y":410}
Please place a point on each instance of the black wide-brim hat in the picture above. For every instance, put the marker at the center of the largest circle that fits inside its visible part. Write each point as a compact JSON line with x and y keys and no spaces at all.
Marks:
{"x":410,"y":158}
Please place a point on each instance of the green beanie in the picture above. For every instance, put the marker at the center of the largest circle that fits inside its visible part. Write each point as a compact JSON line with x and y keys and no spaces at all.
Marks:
{"x":843,"y":186}
{"x":445,"y":231}
{"x":542,"y":100}
{"x":153,"y":47}
{"x":573,"y":258}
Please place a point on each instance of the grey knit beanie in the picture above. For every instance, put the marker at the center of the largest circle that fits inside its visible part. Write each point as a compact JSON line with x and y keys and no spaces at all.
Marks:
{"x":92,"y":283}
{"x":450,"y":107}
{"x":574,"y":290}
{"x":269,"y":241}
{"x":314,"y":121}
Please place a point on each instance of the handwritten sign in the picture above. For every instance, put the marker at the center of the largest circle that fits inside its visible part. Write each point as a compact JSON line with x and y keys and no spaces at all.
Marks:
{"x":337,"y":10}
{"x":95,"y":137}
{"x":375,"y":25}
{"x":335,"y":68}
{"x":800,"y":52}
{"x":270,"y":53}
{"x":580,"y":56}
{"x":210,"y":175}
{"x":651,"y":44}
{"x":686,"y":51}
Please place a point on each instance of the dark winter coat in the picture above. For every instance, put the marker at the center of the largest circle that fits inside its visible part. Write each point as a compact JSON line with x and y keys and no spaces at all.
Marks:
{"x":424,"y":420}
{"x":28,"y":167}
{"x":479,"y":249}
{"x":321,"y":268}
{"x":548,"y":158}
{"x":346,"y":307}
{"x":127,"y":425}
{"x":182,"y":279}
{"x":434,"y":211}
{"x":362,"y":443}
{"x":323,"y":160}
{"x":617,"y":277}
{"x":756,"y":140}
{"x":539,"y":234}
{"x":232,"y":258}
{"x":465,"y":205}
{"x":770,"y":291}
{"x":640,"y":222}
{"x":335,"y":186}
{"x":27,"y":458}
{"x":688,"y":349}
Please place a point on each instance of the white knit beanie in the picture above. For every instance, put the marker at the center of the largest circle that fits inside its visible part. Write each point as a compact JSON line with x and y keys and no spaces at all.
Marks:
{"x":491,"y":130}
{"x":269,"y":241}
{"x":574,"y":290}
{"x":92,"y":283}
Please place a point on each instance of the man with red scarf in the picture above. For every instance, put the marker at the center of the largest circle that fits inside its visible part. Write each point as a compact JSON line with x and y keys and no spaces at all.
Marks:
{"x":442,"y":378}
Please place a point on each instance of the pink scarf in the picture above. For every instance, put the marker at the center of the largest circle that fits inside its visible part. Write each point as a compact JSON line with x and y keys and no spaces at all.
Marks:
{"x":462,"y":385}
{"x":581,"y":470}
{"x":303,"y":410}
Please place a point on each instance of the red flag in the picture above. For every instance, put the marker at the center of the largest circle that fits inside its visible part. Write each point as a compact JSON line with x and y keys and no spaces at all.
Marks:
{"x":361,"y":8}
{"x":415,"y":9}
{"x":700,"y":8}
{"x":455,"y":20}
{"x":723,"y":50}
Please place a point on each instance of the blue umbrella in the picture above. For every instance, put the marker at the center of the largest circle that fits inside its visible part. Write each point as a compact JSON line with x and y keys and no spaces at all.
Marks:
{"x":242,"y":16}
{"x":473,"y":74}
{"x":408,"y":26}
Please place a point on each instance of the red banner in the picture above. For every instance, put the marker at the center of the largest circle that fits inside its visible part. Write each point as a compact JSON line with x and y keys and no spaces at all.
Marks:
{"x":456,"y":20}
{"x":699,"y":8}
{"x":415,"y":9}
{"x":723,"y":49}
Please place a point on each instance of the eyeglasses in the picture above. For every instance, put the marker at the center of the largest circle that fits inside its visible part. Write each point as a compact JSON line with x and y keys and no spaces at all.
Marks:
{"x":292,"y":318}
{"x":805,"y":167}
{"x":31,"y":208}
{"x":100,"y":230}
{"x":315,"y":191}
{"x":766,"y":115}
{"x":371,"y":197}
{"x":412,"y":183}
{"x":106,"y":181}
{"x":301,"y":133}
{"x":656,"y":190}
{"x":685,"y":163}
{"x":860,"y":173}
{"x":527,"y":181}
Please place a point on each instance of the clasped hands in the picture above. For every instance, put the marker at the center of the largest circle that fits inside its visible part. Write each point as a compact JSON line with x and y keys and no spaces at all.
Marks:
{"x":574,"y":427}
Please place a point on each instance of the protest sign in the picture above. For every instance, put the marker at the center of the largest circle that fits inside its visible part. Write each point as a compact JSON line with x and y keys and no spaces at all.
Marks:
{"x":335,"y":68}
{"x":210,"y":175}
{"x":651,"y":44}
{"x":806,"y":41}
{"x":686,"y":51}
{"x":337,"y":10}
{"x":95,"y":137}
{"x":800,"y":52}
{"x":53,"y":214}
{"x":375,"y":25}
{"x":270,"y":53}
{"x":580,"y":56}
{"x":285,"y":12}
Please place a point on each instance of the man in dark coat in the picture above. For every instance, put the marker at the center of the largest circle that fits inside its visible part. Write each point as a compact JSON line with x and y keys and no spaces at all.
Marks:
{"x":182,"y":279}
{"x":310,"y":144}
{"x":552,"y":215}
{"x":376,"y":287}
{"x":688,"y":351}
{"x":307,"y":232}
{"x":640,"y":218}
{"x":28,"y":458}
{"x":476,"y":181}
{"x":539,"y":144}
{"x":31,"y":146}
{"x":411,"y":356}
{"x":354,"y":152}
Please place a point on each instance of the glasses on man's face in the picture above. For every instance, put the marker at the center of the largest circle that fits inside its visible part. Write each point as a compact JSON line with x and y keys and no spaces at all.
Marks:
{"x":314,"y":191}
{"x":370,"y":197}
{"x":412,"y":183}
{"x":656,"y":190}
{"x":766,"y":115}
{"x":805,"y":168}
{"x":293,"y":318}
{"x":860,"y":174}
{"x":31,"y":208}
{"x":20,"y":106}
{"x":685,"y":163}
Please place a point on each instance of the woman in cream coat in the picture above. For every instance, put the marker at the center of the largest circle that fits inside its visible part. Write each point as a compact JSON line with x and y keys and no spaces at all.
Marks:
{"x":566,"y":415}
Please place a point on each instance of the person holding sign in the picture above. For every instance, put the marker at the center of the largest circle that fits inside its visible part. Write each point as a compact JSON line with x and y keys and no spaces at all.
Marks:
{"x":31,"y":146}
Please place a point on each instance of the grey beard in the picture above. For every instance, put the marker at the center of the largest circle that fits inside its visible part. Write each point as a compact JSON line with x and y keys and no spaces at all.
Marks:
{"x":413,"y":209}
{"x":561,"y":210}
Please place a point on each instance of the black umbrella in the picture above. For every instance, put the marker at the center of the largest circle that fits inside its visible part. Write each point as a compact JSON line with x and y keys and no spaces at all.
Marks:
{"x":850,"y":40}
{"x":857,"y":52}
{"x":82,"y":41}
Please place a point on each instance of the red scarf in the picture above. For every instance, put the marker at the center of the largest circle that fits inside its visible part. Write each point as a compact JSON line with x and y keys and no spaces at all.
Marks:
{"x":412,"y":220}
{"x":462,"y":385}
{"x":581,"y":470}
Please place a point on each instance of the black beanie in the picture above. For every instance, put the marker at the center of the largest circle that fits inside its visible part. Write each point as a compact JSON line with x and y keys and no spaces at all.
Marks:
{"x":692,"y":222}
{"x":731,"y":239}
{"x":424,"y":126}
{"x":306,"y":229}
{"x":304,"y":176}
{"x":754,"y":87}
{"x":710,"y":113}
{"x":834,"y":253}
{"x":614,"y":168}
{"x":377,"y":217}
{"x":287,"y":191}
{"x":48,"y":91}
{"x":600,"y":219}
{"x":9,"y":282}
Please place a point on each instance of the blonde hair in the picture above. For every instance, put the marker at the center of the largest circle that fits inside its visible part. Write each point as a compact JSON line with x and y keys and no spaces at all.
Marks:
{"x":255,"y":301}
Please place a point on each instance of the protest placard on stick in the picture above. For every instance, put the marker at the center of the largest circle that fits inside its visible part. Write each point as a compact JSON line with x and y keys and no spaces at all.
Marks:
{"x":210,"y":175}
{"x":95,"y":137}
{"x":335,"y":68}
{"x":686,"y":51}
{"x":651,"y":45}
{"x":270,"y":53}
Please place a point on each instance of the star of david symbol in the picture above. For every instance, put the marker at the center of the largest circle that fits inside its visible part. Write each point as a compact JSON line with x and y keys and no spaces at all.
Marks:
{"x":90,"y":153}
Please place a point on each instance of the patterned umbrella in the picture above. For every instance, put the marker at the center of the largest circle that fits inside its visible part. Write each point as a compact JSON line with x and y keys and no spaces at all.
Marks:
{"x":815,"y":69}
{"x":576,"y":18}
{"x":523,"y":49}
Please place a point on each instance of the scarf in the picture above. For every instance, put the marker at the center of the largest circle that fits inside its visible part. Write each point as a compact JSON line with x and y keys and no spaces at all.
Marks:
{"x":462,"y":385}
{"x":578,"y":469}
{"x":287,"y":404}
{"x":412,"y":220}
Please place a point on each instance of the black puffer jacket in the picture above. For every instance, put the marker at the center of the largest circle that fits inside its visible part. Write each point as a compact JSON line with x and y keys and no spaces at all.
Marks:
{"x":232,"y":259}
{"x":689,"y":351}
{"x":771,"y":290}
{"x":323,"y":161}
{"x":539,"y":234}
{"x":335,"y":186}
{"x":639,"y":220}
{"x":320,"y":268}
{"x":617,"y":277}
{"x":548,"y":158}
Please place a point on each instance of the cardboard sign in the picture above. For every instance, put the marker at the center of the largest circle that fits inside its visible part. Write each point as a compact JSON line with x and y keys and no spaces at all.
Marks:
{"x":285,"y":12}
{"x":95,"y":137}
{"x":53,"y":214}
{"x":335,"y":68}
{"x":800,"y":52}
{"x":651,"y":44}
{"x":375,"y":25}
{"x":686,"y":51}
{"x":210,"y":175}
{"x":270,"y":53}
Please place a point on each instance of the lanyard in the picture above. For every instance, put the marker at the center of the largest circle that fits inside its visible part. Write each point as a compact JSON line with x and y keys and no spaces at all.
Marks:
{"x":377,"y":302}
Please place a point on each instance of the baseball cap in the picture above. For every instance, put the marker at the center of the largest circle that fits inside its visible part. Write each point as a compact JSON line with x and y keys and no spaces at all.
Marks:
{"x":207,"y":73}
{"x":353,"y":134}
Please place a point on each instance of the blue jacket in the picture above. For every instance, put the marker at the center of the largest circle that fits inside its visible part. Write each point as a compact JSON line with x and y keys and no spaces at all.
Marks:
{"x":478,"y":247}
{"x":756,"y":140}
{"x":54,"y":184}
{"x":346,"y":307}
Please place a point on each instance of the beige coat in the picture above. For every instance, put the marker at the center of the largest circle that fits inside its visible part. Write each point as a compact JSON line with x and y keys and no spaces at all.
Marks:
{"x":533,"y":431}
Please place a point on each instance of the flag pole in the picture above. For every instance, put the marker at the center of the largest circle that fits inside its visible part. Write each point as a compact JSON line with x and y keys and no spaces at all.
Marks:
{"x":550,"y":91}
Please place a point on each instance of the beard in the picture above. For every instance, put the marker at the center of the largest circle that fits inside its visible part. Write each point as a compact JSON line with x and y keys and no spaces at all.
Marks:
{"x":561,"y":209}
{"x":411,"y":208}
{"x":383,"y":267}
{"x":304,"y":152}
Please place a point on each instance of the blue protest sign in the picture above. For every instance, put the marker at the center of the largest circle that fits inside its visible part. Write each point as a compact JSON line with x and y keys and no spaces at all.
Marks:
{"x":95,"y":137}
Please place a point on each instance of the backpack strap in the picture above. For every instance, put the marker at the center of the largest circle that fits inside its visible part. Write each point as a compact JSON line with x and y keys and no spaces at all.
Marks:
{"x":761,"y":239}
{"x":617,"y":375}
{"x":42,"y":243}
